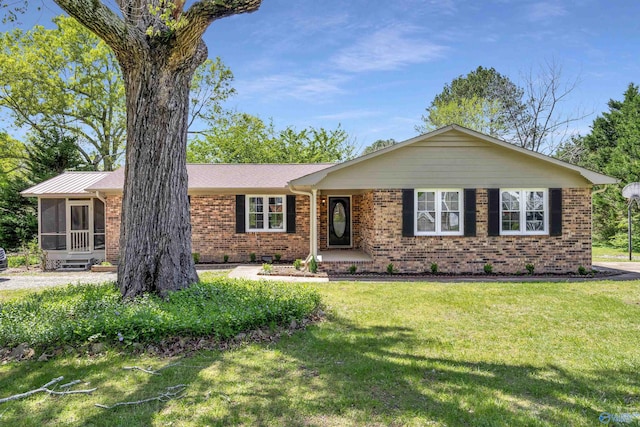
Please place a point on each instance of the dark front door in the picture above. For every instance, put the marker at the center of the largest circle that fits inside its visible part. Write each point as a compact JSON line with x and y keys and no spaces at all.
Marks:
{"x":339,"y":221}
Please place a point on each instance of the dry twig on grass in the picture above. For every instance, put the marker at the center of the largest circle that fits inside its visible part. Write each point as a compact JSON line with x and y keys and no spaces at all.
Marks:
{"x":45,"y":389}
{"x":171,"y":393}
{"x":138,"y":368}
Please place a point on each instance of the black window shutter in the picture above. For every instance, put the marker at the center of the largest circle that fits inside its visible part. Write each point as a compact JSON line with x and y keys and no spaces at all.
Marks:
{"x":240,"y":218}
{"x":555,"y":212}
{"x":408,"y":212}
{"x":291,"y":213}
{"x":469,"y":212}
{"x":493,"y":224}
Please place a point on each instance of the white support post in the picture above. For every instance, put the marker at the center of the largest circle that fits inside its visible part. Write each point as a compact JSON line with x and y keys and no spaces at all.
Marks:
{"x":314,"y":223}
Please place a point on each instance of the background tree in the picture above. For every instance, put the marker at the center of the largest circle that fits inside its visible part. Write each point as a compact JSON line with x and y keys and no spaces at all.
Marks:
{"x":12,"y":155}
{"x":51,"y":154}
{"x":45,"y":156}
{"x":243,"y":138}
{"x":613,"y":148}
{"x":481,"y":100}
{"x":159,"y":46}
{"x":538,"y":123}
{"x":65,"y":78}
{"x":378,"y":145}
{"x":68,"y":78}
{"x":486,"y":101}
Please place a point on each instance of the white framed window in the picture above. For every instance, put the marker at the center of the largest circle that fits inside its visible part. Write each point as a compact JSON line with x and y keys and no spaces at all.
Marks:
{"x":524,"y":211}
{"x":438,"y":212}
{"x":266,"y":213}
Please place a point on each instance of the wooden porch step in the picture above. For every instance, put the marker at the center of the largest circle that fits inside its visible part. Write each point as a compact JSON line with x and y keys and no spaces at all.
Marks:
{"x":76,"y":264}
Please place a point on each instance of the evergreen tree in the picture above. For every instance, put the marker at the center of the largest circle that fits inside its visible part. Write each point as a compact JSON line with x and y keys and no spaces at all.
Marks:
{"x":613,"y":148}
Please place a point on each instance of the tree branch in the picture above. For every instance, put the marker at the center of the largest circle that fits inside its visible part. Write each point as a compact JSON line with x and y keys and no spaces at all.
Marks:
{"x":101,"y":20}
{"x":137,"y":368}
{"x":45,"y":388}
{"x":171,"y":393}
{"x":199,"y":16}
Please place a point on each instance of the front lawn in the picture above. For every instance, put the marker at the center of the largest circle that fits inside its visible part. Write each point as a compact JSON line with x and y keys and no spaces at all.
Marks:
{"x":609,"y":254}
{"x":388,"y":354}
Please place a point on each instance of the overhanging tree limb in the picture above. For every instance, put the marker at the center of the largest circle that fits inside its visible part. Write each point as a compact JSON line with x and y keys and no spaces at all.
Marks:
{"x":101,"y":20}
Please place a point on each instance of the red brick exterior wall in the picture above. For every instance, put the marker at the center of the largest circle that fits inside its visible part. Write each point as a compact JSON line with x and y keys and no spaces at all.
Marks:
{"x":382,"y":239}
{"x":377,"y":230}
{"x":213,"y":225}
{"x":113,"y":212}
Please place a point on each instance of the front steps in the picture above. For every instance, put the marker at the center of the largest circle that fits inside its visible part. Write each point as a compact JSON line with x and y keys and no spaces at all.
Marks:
{"x":76,"y":264}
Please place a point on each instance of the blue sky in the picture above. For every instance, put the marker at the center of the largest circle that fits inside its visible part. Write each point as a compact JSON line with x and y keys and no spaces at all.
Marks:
{"x":374,"y":66}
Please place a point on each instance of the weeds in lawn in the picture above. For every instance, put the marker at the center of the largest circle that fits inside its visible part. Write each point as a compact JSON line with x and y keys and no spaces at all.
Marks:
{"x":220,"y":307}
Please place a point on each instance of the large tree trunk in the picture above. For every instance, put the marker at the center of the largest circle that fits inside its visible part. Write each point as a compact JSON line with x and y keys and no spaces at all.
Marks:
{"x":155,"y":236}
{"x":158,"y":55}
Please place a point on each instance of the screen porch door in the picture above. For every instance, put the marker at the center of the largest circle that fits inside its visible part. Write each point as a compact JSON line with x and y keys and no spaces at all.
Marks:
{"x":79,"y":226}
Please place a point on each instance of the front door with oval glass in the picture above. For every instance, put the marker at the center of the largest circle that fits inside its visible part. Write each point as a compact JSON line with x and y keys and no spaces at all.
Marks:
{"x":339,"y":221}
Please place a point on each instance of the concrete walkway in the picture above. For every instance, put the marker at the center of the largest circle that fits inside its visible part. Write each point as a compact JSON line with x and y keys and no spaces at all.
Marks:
{"x":622,"y":270}
{"x":251,"y":272}
{"x":39,"y":280}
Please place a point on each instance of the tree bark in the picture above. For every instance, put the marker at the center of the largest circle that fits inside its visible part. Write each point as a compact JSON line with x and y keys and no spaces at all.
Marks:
{"x":155,"y":235}
{"x":157,"y":64}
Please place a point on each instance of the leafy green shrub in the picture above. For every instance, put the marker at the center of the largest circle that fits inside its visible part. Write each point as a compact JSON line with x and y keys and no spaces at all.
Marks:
{"x":105,"y":263}
{"x":582,"y":271}
{"x":196,"y":257}
{"x":297,"y":264}
{"x":220,"y":307}
{"x":353,"y":269}
{"x":267,"y":268}
{"x":391,"y":269}
{"x":252,"y":257}
{"x":488,"y":268}
{"x":276,"y":257}
{"x":225,"y":258}
{"x":313,"y":265}
{"x":434,"y":268}
{"x":530,"y":268}
{"x":14,"y":261}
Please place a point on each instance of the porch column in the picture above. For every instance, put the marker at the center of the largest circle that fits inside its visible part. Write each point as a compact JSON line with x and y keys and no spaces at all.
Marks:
{"x":314,"y":222}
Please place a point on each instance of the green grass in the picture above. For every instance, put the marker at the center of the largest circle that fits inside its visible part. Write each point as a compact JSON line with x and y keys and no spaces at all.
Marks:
{"x":439,"y":354}
{"x":217,"y":306}
{"x":609,"y":254}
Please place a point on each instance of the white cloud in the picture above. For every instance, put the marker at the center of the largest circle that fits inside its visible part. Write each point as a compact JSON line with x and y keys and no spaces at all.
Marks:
{"x":350,"y":115}
{"x":387,"y":49}
{"x":311,"y":24}
{"x":544,"y":11}
{"x":312,"y":89}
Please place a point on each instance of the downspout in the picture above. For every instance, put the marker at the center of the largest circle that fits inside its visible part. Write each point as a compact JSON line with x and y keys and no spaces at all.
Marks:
{"x":313,"y":226}
{"x":102,"y":199}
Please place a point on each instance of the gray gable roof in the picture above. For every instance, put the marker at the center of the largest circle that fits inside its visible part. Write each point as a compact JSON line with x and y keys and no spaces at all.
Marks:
{"x":201,"y":177}
{"x":67,"y":183}
{"x":227,"y":176}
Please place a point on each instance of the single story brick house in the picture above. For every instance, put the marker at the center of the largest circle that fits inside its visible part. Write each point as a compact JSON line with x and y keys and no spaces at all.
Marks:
{"x":453,"y":196}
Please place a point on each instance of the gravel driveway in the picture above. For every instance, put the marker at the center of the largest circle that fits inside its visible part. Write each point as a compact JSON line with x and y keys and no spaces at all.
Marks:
{"x":27,"y":280}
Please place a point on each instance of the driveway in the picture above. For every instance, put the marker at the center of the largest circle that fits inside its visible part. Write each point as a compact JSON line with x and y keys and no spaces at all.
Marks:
{"x":27,"y":280}
{"x":39,"y":280}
